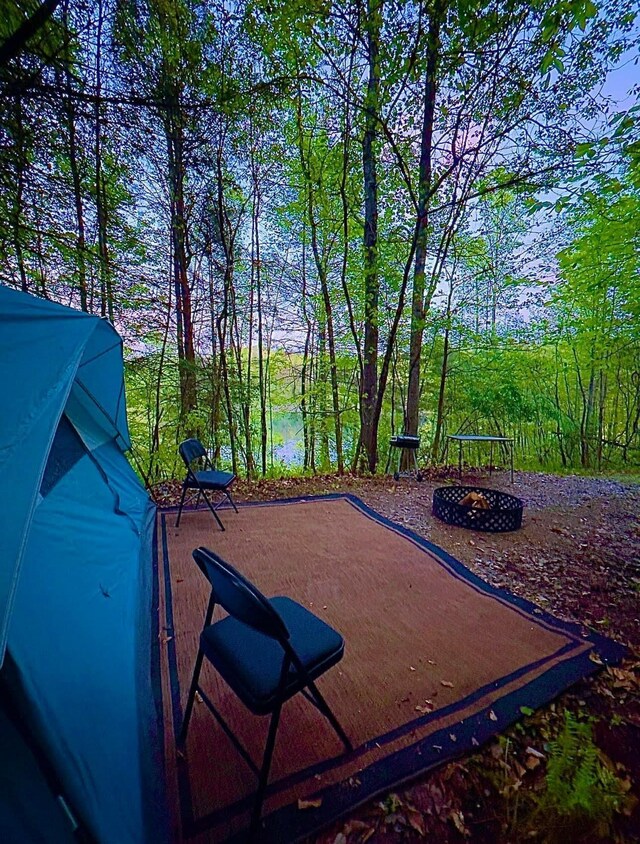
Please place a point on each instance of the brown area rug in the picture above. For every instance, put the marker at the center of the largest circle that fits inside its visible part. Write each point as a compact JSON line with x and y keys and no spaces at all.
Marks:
{"x":436,"y":662}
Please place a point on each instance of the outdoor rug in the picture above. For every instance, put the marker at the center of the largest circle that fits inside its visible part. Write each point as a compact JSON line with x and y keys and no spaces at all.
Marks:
{"x":436,"y":662}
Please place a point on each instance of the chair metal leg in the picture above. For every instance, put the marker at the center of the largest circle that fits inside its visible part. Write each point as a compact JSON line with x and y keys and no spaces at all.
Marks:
{"x":264,"y":773}
{"x":233,"y":738}
{"x":326,"y":710}
{"x":213,"y":509}
{"x":190,"y":699}
{"x":184,"y":492}
{"x":233,"y":503}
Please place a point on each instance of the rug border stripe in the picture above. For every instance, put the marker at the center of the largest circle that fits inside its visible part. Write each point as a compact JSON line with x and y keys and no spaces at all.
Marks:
{"x":184,"y":785}
{"x":291,"y":825}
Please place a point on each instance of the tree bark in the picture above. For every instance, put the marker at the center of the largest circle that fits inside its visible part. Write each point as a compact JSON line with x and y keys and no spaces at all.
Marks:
{"x":221,"y":322}
{"x":69,"y":110}
{"x":307,"y":365}
{"x":369,"y":382}
{"x":16,"y":42}
{"x":16,"y":213}
{"x":104,"y":265}
{"x":435,"y":449}
{"x":321,"y":268}
{"x":424,"y":192}
{"x":174,"y":131}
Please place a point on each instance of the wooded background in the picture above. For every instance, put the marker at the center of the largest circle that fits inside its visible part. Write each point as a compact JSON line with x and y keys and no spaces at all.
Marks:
{"x":318,"y":223}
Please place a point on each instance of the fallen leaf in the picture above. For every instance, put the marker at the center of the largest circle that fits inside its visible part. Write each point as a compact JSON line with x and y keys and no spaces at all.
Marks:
{"x":446,"y":684}
{"x":364,"y":830}
{"x":425,"y":710}
{"x":624,"y":679}
{"x":416,"y":821}
{"x":493,"y":715}
{"x":310,"y":804}
{"x":531,"y":751}
{"x":458,"y":822}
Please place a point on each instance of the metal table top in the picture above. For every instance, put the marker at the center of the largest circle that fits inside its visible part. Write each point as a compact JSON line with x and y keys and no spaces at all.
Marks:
{"x":479,"y":438}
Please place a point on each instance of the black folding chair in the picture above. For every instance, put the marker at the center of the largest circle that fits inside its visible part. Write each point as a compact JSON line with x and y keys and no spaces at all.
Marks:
{"x":205,"y":479}
{"x":267,"y":650}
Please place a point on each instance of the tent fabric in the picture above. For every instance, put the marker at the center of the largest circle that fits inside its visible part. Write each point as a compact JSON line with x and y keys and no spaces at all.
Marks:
{"x":23,"y":786}
{"x":46,"y":351}
{"x":76,"y":577}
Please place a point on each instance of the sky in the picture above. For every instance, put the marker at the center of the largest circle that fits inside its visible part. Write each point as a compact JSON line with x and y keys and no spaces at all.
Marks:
{"x":621,"y":81}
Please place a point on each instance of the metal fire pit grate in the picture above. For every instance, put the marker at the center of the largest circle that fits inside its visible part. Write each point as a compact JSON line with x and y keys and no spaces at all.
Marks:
{"x":505,"y":513}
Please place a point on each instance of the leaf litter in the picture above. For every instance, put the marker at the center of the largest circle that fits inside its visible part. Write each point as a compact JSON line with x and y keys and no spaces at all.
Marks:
{"x":577,"y":556}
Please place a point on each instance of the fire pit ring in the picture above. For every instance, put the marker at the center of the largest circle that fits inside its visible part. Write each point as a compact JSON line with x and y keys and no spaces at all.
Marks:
{"x":504,"y":514}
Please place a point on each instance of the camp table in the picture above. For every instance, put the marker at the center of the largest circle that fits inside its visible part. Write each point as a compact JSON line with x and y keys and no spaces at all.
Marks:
{"x":467,"y":438}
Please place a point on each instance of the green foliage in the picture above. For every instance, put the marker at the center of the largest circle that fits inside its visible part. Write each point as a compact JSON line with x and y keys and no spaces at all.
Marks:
{"x":194,"y":171}
{"x":582,"y":793}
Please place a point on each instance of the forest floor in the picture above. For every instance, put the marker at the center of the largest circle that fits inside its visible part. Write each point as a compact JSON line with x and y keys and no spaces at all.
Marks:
{"x":577,"y":555}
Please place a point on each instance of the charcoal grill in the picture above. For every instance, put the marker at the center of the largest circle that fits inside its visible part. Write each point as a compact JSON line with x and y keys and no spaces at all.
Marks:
{"x":407,"y":445}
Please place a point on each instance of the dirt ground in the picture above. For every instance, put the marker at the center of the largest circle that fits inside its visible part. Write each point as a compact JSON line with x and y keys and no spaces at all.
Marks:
{"x":578,"y":556}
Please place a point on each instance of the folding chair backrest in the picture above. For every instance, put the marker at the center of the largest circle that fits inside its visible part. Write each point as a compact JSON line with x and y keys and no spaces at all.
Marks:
{"x":191,"y":450}
{"x":239,"y":597}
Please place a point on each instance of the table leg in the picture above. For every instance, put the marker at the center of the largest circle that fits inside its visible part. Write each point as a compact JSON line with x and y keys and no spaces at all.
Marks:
{"x":511,"y":444}
{"x":460,"y":458}
{"x":490,"y":458}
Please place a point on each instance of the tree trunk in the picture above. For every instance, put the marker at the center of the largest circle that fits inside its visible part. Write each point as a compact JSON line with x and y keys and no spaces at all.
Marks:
{"x":81,"y":252}
{"x":21,"y":164}
{"x":435,"y":449}
{"x":321,"y":268}
{"x":104,"y":265}
{"x":186,"y":352}
{"x":221,"y":322}
{"x":422,"y":221}
{"x":369,"y":381}
{"x":306,"y":366}
{"x":262,"y":381}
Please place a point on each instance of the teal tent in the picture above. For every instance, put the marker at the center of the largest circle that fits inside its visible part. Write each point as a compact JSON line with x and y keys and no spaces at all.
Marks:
{"x":80,"y":735}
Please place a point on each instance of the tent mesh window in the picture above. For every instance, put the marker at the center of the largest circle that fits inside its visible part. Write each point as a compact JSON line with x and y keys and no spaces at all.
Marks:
{"x":67,"y":448}
{"x":503,"y":514}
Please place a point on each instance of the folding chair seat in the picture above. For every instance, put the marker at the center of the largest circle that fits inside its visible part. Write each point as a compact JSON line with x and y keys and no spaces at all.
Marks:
{"x":208,"y":479}
{"x":267,"y":650}
{"x":252,"y":665}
